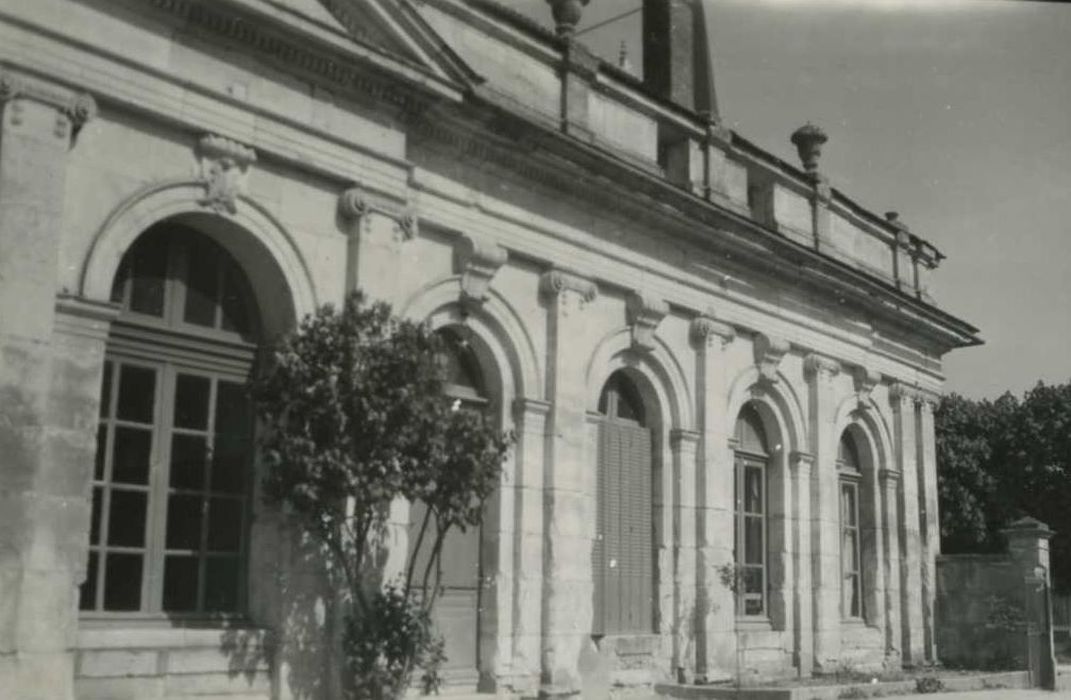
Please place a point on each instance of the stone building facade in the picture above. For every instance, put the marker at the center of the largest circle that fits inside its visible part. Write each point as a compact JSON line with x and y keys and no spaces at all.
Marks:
{"x":720,"y":369}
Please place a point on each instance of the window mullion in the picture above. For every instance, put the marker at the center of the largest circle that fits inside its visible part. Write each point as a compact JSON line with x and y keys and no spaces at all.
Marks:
{"x":159,"y":479}
{"x":206,"y":488}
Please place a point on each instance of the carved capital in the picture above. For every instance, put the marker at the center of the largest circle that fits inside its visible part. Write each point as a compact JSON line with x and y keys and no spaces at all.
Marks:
{"x":865,"y":379}
{"x":889,"y":477}
{"x":353,"y":205}
{"x":705,"y":331}
{"x":769,"y":351}
{"x":644,"y":312}
{"x":927,"y":400}
{"x":72,"y":109}
{"x":820,"y":367}
{"x":557,"y":282}
{"x":479,"y":260}
{"x":407,"y":225}
{"x":224,"y":167}
{"x":801,"y":463}
{"x":684,"y":439}
{"x":902,"y":395}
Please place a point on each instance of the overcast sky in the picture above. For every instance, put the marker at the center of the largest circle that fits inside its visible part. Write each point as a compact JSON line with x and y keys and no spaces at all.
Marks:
{"x":956,"y":113}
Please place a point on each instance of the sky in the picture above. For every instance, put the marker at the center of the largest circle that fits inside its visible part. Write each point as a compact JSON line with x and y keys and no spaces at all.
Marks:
{"x":955,"y":113}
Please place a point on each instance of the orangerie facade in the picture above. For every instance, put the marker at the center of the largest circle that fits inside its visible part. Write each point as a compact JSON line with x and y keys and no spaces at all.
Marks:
{"x":720,"y":369}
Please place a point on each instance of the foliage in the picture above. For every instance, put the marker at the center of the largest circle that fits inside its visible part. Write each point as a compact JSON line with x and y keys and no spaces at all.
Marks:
{"x":731,"y":575}
{"x":355,"y":418}
{"x":1000,"y":460}
{"x":929,"y":684}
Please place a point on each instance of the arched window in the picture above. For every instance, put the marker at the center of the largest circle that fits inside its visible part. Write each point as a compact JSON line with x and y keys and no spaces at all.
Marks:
{"x":174,"y":445}
{"x":749,"y":553}
{"x":850,"y":473}
{"x":623,"y":551}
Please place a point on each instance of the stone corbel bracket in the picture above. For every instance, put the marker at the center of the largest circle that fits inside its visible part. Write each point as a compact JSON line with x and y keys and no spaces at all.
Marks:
{"x":356,"y":203}
{"x":644,"y":312}
{"x":479,"y":259}
{"x":224,"y":169}
{"x":769,"y":351}
{"x":73,"y":109}
{"x":864,"y":379}
{"x":706,"y":330}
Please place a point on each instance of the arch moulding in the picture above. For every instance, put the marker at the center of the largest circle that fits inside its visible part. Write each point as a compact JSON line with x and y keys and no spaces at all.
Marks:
{"x":779,"y":397}
{"x":266,"y":243}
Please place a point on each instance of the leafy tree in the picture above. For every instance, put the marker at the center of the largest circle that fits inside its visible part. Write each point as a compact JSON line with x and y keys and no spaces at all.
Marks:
{"x":355,"y":417}
{"x":999,"y":460}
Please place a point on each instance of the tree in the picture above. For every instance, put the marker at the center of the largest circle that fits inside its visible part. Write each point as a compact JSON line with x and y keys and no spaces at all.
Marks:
{"x":999,"y":460}
{"x":355,"y":418}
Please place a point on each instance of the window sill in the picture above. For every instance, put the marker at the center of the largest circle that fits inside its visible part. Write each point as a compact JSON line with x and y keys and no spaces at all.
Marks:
{"x":166,"y":634}
{"x":754,"y":624}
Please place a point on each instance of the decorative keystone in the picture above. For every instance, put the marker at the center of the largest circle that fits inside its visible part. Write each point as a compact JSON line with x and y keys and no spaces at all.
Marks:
{"x":705,"y":330}
{"x":808,"y":140}
{"x":224,"y":167}
{"x":769,"y":351}
{"x":644,"y":311}
{"x":865,"y":379}
{"x":567,"y":14}
{"x":480,"y":259}
{"x":815,"y":365}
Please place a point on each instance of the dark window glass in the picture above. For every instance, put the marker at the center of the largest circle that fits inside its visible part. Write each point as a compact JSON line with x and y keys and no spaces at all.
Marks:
{"x":191,"y":401}
{"x":122,"y":582}
{"x":224,"y":525}
{"x":148,"y":272}
{"x":106,"y":391}
{"x":232,"y":445}
{"x":137,"y":387}
{"x":98,"y":457}
{"x":87,"y":596}
{"x":202,"y":286}
{"x":94,"y":523}
{"x":184,"y":522}
{"x":133,"y":450}
{"x":235,"y":301}
{"x":753,"y":549}
{"x":221,"y":584}
{"x":753,"y":501}
{"x":126,"y":521}
{"x":180,"y":584}
{"x":189,"y":454}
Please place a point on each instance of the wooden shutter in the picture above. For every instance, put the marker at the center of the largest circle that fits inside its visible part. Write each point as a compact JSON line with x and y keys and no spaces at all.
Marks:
{"x":623,"y":557}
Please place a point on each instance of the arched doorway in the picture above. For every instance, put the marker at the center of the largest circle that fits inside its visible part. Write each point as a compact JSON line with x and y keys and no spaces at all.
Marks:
{"x":623,"y":551}
{"x":173,"y":474}
{"x":457,"y":612}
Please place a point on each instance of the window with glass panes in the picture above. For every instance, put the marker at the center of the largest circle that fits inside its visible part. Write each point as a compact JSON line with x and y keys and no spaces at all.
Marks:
{"x":174,"y":444}
{"x":749,"y":552}
{"x":850,"y":547}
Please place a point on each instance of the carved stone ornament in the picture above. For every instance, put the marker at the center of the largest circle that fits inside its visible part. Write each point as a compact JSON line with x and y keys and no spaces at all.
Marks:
{"x":901,"y":395}
{"x":865,"y":379}
{"x":555,"y":282}
{"x":644,"y":312}
{"x":808,"y":140}
{"x":567,"y":14}
{"x":480,"y":259}
{"x":705,"y":330}
{"x":353,"y":205}
{"x":224,"y":167}
{"x":407,"y":225}
{"x":769,"y":351}
{"x":73,"y":110}
{"x":815,"y":365}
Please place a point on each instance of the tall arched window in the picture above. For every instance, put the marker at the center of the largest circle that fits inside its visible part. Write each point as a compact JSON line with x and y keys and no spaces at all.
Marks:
{"x":850,"y":474}
{"x":174,"y":445}
{"x":752,"y":456}
{"x":623,"y":552}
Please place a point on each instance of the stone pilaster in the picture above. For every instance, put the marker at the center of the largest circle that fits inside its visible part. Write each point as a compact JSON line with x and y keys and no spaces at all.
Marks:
{"x":47,"y":418}
{"x":930,"y":532}
{"x":578,"y":70}
{"x":377,"y":229}
{"x":821,"y":220}
{"x":890,"y":485}
{"x":715,"y":609}
{"x":569,"y":508}
{"x":684,"y":445}
{"x":825,"y":512}
{"x":904,"y":449}
{"x":530,"y":420}
{"x":800,"y":464}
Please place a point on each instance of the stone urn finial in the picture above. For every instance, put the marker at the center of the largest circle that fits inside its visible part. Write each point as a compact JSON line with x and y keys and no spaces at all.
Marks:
{"x":567,"y":15}
{"x":808,"y":140}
